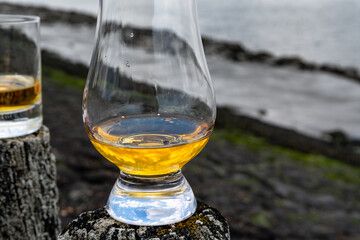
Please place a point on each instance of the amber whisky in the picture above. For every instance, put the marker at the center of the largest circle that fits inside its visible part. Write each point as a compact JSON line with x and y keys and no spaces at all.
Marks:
{"x":150,"y":146}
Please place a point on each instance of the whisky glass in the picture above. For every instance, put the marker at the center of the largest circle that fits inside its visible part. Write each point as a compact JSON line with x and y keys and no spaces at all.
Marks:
{"x":20,"y":73}
{"x":149,"y":106}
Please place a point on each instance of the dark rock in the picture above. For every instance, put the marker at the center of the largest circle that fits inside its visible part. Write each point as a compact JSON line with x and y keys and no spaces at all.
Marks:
{"x":48,"y":15}
{"x":286,"y":61}
{"x":51,"y":59}
{"x":336,"y":145}
{"x":262,"y":57}
{"x":337,"y":138}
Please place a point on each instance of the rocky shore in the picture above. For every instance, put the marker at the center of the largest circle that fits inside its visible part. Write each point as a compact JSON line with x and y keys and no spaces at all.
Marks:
{"x":264,"y":190}
{"x":334,"y":144}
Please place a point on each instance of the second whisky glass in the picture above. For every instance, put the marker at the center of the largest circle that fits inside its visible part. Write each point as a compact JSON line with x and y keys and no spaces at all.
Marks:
{"x":20,"y":75}
{"x":149,"y":105}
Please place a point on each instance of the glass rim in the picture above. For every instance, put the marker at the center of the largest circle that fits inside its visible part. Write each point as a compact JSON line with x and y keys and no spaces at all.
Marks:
{"x":18,"y":19}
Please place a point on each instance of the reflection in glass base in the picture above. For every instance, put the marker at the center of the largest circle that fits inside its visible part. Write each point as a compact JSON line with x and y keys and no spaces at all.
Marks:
{"x":151,"y":201}
{"x":21,"y":122}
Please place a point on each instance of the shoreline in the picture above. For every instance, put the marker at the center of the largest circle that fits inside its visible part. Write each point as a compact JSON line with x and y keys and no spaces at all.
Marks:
{"x":233,"y":51}
{"x":334,"y":144}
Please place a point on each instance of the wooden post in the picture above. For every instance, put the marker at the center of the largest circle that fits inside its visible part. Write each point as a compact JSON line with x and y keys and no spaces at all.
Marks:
{"x":206,"y":223}
{"x":28,"y":191}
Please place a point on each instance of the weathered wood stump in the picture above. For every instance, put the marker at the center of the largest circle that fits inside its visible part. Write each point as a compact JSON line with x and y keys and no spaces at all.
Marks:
{"x":206,"y":223}
{"x":28,"y":191}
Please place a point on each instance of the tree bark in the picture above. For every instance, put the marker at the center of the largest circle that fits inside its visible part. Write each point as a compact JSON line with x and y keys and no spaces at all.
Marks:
{"x":206,"y":223}
{"x":28,"y":191}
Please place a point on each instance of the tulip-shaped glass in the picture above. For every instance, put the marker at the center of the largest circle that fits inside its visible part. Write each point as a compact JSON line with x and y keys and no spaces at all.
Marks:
{"x":149,"y":105}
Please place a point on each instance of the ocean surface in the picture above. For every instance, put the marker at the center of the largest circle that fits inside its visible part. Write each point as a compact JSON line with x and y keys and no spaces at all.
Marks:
{"x":321,"y":31}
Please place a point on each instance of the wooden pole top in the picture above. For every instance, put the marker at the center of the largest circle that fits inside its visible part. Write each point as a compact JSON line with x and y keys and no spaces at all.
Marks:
{"x":206,"y":223}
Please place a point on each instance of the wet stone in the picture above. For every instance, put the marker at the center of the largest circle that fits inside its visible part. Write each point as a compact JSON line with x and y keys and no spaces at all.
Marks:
{"x":206,"y":223}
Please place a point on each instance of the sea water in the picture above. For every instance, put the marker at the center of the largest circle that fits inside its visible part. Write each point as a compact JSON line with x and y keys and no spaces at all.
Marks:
{"x":323,"y":31}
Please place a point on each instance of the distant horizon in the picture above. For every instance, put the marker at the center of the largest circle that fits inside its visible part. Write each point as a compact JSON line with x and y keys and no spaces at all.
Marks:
{"x":324,"y":31}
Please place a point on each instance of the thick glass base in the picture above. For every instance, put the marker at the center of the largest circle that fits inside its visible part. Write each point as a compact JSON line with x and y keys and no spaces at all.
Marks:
{"x":151,"y":201}
{"x":21,"y":122}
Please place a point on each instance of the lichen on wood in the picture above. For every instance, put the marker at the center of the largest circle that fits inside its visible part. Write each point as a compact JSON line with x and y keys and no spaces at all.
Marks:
{"x":28,"y":192}
{"x":206,"y":223}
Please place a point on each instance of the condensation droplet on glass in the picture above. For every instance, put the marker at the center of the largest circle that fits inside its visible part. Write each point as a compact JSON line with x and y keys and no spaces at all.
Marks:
{"x":156,"y":85}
